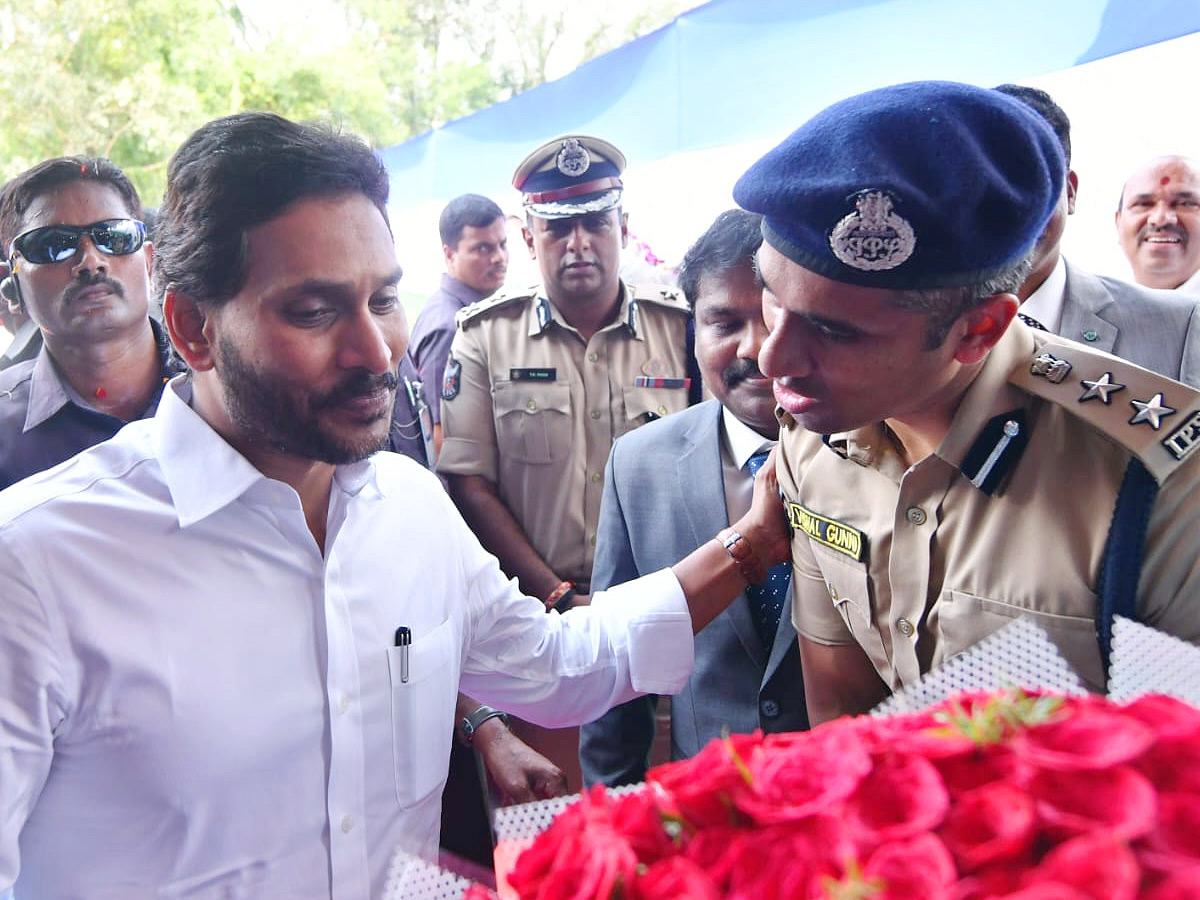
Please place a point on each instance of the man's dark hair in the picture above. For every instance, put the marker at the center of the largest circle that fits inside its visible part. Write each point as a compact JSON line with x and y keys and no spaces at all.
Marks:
{"x":466,"y":211}
{"x":1043,"y":104}
{"x":235,"y":173}
{"x":18,"y":195}
{"x":729,"y":243}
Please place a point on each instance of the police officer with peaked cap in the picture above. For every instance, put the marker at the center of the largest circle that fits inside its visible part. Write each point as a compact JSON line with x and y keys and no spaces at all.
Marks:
{"x":946,"y":468}
{"x":540,"y":382}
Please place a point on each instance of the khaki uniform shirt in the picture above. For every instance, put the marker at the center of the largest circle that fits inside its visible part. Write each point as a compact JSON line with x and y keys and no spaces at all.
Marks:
{"x":919,"y":564}
{"x":532,"y":407}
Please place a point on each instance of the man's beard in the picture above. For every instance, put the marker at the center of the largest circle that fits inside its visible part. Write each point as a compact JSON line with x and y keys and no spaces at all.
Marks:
{"x":271,"y":411}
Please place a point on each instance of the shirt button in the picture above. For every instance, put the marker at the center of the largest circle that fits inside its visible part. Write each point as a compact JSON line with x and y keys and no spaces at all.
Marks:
{"x":595,"y":413}
{"x":347,"y":824}
{"x":662,"y":410}
{"x":593,"y":356}
{"x":531,"y":405}
{"x":916,"y":515}
{"x":769,"y":709}
{"x":905,"y":627}
{"x":343,"y":704}
{"x":596,"y":476}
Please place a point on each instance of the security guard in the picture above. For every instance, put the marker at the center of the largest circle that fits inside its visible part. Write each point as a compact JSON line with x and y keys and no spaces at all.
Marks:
{"x":945,"y":468}
{"x":541,"y":382}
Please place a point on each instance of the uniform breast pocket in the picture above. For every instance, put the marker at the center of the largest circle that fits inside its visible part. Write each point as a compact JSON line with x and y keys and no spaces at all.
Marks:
{"x":643,"y":404}
{"x":966,"y":619}
{"x":424,"y":692}
{"x":533,"y":420}
{"x":849,"y":590}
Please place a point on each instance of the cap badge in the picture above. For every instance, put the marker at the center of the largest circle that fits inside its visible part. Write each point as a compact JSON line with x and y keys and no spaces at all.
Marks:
{"x":873,"y":238}
{"x":573,"y":159}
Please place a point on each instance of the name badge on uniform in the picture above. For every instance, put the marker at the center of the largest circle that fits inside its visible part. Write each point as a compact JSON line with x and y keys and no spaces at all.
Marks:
{"x":833,"y":534}
{"x":647,"y":381}
{"x":545,"y":374}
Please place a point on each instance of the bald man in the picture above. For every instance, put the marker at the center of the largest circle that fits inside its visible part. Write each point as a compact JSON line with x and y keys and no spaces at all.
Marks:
{"x":1158,"y":218}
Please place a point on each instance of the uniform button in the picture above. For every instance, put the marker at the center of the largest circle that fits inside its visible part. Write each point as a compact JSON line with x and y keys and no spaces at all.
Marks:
{"x":343,"y":704}
{"x":662,"y":410}
{"x":1090,"y":335}
{"x":596,"y":476}
{"x":833,"y":594}
{"x":592,"y":541}
{"x":916,"y":515}
{"x":905,"y":627}
{"x":347,"y":824}
{"x":595,"y":413}
{"x":593,"y":356}
{"x":531,"y":405}
{"x":769,"y":709}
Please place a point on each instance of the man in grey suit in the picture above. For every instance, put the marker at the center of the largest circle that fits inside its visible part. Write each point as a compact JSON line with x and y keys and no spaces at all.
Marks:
{"x":1155,"y":329}
{"x":667,"y":486}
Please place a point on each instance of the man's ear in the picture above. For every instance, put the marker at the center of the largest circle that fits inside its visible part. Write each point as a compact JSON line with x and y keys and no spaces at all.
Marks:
{"x":984,"y":326}
{"x":528,"y":236}
{"x":1072,"y":191}
{"x":187,"y":324}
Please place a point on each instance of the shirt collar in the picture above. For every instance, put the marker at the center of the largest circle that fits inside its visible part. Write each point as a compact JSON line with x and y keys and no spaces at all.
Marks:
{"x":203,"y":473}
{"x":49,"y":391}
{"x":460,"y":290}
{"x":741,"y":440}
{"x":547,"y":312}
{"x":1046,"y":303}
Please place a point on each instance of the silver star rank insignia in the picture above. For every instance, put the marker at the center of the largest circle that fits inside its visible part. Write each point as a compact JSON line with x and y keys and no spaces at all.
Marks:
{"x":1151,"y":411}
{"x":1100,"y":388}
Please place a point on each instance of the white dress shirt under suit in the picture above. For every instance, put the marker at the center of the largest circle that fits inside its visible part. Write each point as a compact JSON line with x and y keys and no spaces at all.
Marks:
{"x":195,"y":702}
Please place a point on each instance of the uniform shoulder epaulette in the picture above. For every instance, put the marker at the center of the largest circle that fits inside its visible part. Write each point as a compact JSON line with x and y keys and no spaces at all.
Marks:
{"x":1153,"y":417}
{"x":660,"y":295}
{"x":490,"y":304}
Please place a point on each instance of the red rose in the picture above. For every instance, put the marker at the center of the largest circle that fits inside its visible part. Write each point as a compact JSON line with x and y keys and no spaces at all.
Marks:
{"x":900,"y":797}
{"x":789,"y":861}
{"x":639,"y":818}
{"x":1048,"y":890}
{"x":1174,"y":843}
{"x":1182,"y":885}
{"x":799,"y":775}
{"x":919,"y":868}
{"x":1070,"y":803}
{"x":1091,"y":737}
{"x":984,"y":765}
{"x":581,"y":856}
{"x":1100,"y":866}
{"x":674,"y":878}
{"x":992,"y":824}
{"x":1171,"y":719}
{"x":701,"y":788}
{"x":1173,"y":764}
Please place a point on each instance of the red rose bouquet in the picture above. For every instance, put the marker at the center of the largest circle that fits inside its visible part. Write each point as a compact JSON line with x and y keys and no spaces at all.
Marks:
{"x":999,"y":795}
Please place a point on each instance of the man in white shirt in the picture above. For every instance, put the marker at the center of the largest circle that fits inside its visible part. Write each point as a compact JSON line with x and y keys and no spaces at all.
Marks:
{"x":232,"y":637}
{"x":1156,"y":329}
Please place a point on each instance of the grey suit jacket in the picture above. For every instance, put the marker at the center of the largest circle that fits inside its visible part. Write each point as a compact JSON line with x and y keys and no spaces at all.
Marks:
{"x":1157,"y":330}
{"x":664,"y":496}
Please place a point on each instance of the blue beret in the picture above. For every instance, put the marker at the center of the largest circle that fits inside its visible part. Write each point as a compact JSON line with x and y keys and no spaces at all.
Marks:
{"x":572,"y":175}
{"x":922,"y":185}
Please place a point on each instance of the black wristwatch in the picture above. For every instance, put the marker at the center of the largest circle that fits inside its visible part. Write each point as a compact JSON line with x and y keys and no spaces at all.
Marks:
{"x":471,"y":723}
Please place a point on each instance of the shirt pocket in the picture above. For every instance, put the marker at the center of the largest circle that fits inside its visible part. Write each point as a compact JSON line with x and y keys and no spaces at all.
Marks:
{"x":966,"y":619}
{"x":424,"y":690}
{"x":849,"y":588}
{"x":533,"y":420}
{"x":645,"y":404}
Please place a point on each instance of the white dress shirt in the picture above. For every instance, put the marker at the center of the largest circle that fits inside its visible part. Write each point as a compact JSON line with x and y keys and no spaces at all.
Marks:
{"x":194,"y":702}
{"x":739,"y":443}
{"x":1046,"y":303}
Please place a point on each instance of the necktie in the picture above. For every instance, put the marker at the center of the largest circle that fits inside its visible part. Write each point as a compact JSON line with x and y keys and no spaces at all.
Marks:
{"x":1032,"y":322}
{"x":767,"y":599}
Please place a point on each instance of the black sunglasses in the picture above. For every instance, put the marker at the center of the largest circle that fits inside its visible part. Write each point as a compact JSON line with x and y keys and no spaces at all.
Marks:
{"x":56,"y":243}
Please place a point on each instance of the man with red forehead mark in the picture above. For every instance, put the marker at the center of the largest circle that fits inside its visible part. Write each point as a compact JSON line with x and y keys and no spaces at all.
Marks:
{"x":1158,"y":223}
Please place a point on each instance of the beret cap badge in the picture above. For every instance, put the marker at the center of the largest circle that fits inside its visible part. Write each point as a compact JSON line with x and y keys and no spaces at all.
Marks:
{"x":573,"y":159}
{"x":873,"y":238}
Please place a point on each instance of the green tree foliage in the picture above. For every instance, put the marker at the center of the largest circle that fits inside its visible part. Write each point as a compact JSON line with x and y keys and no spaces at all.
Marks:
{"x":129,"y":79}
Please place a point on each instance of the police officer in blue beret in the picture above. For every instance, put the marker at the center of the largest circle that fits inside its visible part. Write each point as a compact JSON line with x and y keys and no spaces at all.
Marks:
{"x":542,"y":380}
{"x":947,"y":469}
